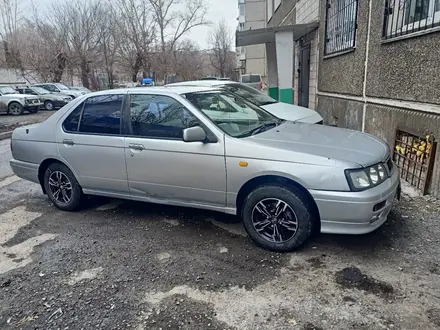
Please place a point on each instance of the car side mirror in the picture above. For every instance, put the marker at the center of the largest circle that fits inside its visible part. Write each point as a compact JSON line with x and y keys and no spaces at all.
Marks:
{"x":194,"y":134}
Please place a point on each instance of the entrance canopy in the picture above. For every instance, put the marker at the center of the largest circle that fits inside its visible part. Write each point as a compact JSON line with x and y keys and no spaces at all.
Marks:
{"x":267,"y":35}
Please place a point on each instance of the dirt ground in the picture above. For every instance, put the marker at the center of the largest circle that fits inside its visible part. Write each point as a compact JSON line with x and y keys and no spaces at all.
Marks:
{"x":126,"y":265}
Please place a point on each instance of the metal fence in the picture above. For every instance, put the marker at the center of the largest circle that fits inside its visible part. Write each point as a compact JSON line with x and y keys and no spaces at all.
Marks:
{"x":414,"y":154}
{"x":403,"y":17}
{"x":340,"y":26}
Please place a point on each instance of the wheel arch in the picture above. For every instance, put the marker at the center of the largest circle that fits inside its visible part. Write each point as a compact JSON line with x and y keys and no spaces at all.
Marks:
{"x":279,"y":180}
{"x":15,"y":101}
{"x":43,"y":167}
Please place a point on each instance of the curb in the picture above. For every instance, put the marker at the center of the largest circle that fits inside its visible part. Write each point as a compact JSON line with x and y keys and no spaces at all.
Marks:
{"x":5,"y":135}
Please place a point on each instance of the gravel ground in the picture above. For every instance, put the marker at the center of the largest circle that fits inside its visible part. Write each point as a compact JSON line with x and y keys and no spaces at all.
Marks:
{"x":127,"y":265}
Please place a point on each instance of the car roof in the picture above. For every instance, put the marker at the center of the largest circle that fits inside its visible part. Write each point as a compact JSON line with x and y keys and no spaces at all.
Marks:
{"x":151,"y":90}
{"x":206,"y":83}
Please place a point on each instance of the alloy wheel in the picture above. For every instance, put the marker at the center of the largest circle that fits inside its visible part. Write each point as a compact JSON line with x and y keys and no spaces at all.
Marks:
{"x":60,"y":187}
{"x":274,"y":220}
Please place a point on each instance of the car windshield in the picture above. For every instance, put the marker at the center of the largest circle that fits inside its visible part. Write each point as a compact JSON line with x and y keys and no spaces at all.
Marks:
{"x":250,"y":94}
{"x":232,"y":113}
{"x":40,"y":90}
{"x":250,"y":78}
{"x":62,"y":87}
{"x":7,"y":90}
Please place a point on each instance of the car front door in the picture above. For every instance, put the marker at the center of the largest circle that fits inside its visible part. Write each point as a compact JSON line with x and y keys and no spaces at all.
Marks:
{"x":90,"y":142}
{"x":160,"y":165}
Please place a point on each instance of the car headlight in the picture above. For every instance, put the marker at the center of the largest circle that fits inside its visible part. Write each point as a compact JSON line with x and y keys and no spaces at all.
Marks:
{"x":364,"y":178}
{"x":27,"y":101}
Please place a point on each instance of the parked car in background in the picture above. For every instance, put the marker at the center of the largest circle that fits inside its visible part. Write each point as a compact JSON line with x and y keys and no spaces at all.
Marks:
{"x":281,"y":110}
{"x":209,"y":78}
{"x":253,"y":80}
{"x":211,"y":149}
{"x":80,"y":88}
{"x":50,"y":101}
{"x":15,"y":104}
{"x":61,"y":88}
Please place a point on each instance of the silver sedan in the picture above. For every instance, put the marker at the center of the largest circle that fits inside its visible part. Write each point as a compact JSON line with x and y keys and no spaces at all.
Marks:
{"x":211,"y":149}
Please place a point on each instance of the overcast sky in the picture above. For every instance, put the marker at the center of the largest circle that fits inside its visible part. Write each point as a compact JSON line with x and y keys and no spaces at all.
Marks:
{"x":217,"y":9}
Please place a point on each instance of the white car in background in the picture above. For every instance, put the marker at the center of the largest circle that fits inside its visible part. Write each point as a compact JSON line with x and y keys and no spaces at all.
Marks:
{"x":281,"y":110}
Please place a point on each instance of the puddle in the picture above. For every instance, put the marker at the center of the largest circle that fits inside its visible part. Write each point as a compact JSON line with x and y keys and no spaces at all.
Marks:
{"x":353,"y":278}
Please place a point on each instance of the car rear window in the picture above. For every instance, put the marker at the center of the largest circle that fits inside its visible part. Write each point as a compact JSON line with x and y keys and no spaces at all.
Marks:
{"x":252,"y":78}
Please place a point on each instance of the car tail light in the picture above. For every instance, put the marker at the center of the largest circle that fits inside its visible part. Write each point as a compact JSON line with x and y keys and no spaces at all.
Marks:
{"x":261,"y":84}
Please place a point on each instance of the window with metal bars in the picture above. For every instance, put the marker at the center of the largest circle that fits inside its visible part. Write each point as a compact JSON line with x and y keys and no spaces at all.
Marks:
{"x":340,"y":26}
{"x":404,"y":17}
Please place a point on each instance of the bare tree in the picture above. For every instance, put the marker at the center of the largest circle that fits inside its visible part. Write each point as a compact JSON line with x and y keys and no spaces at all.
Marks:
{"x":78,"y":23}
{"x":10,"y":17}
{"x":174,"y":19}
{"x":220,"y":42}
{"x":36,"y":57}
{"x":135,"y":21}
{"x":188,"y":60}
{"x":109,"y":46}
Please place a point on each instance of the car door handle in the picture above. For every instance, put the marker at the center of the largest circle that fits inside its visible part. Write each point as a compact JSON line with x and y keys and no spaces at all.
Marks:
{"x":136,"y":146}
{"x":68,"y":142}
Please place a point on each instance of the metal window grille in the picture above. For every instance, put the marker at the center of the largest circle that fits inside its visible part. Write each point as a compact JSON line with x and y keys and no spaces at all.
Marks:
{"x":414,"y":155}
{"x":340,"y":25}
{"x":404,"y":17}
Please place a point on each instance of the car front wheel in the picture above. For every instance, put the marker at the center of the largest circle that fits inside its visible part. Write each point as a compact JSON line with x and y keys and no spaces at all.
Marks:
{"x":62,"y":188}
{"x":277,"y":218}
{"x":15,"y":109}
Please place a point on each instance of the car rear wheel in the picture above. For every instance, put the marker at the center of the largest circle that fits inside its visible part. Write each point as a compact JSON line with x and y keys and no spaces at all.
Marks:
{"x":15,"y":109}
{"x":62,"y":188}
{"x":277,"y":218}
{"x":49,"y":105}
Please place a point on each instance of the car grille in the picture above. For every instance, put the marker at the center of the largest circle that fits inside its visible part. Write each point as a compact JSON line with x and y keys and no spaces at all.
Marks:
{"x":32,"y":101}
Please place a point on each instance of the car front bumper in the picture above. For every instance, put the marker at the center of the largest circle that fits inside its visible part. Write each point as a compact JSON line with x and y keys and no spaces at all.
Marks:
{"x":357,"y":213}
{"x":25,"y":170}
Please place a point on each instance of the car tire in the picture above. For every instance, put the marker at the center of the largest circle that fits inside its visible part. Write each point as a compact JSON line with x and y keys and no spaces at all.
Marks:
{"x":293,"y":225}
{"x":62,"y":188}
{"x":49,"y":105}
{"x":15,"y":109}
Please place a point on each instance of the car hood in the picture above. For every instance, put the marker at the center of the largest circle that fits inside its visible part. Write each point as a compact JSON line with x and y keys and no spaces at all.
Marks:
{"x":332,"y":143}
{"x":293,"y":112}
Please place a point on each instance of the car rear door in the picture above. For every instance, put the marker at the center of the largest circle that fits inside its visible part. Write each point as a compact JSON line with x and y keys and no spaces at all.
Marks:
{"x":160,"y":165}
{"x":90,"y":142}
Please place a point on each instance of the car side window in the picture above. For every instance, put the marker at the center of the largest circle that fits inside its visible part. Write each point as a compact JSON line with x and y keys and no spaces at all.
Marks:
{"x":159,"y":116}
{"x":72,"y":122}
{"x":102,"y":115}
{"x":30,"y":91}
{"x":50,"y":88}
{"x":20,"y":90}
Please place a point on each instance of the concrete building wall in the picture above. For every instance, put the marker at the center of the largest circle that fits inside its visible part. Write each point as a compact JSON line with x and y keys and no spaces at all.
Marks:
{"x":292,"y":12}
{"x":308,"y":11}
{"x":255,"y":18}
{"x":332,"y":68}
{"x":407,"y":69}
{"x":383,"y":84}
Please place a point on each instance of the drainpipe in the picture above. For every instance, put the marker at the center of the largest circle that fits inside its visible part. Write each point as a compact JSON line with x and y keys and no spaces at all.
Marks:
{"x":367,"y":52}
